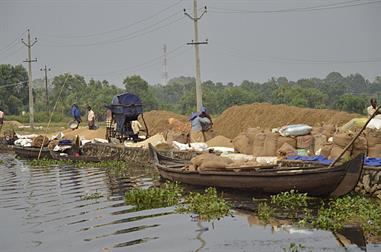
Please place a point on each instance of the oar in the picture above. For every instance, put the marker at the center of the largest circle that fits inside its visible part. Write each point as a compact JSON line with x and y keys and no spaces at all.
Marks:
{"x":354,"y":139}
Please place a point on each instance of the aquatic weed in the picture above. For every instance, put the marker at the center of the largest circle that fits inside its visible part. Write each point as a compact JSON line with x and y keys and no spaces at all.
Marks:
{"x":1,"y":162}
{"x":155,"y":197}
{"x":290,"y":200}
{"x":208,"y":205}
{"x":44,"y":162}
{"x":265,"y":212}
{"x":91,"y":196}
{"x":293,"y":247}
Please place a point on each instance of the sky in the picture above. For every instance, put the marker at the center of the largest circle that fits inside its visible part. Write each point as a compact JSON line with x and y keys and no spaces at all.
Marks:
{"x":247,"y":39}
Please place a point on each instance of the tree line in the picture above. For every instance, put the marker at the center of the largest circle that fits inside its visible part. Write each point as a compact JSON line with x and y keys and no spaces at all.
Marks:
{"x":347,"y":93}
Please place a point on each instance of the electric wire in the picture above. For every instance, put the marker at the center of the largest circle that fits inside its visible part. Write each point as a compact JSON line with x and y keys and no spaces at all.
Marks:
{"x":147,"y":62}
{"x":120,"y":28}
{"x":126,"y":37}
{"x":340,"y":5}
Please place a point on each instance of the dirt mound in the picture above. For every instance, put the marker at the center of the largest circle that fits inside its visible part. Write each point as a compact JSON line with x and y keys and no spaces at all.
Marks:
{"x":157,"y":120}
{"x":220,"y":141}
{"x":13,"y":123}
{"x":84,"y":133}
{"x":237,"y":119}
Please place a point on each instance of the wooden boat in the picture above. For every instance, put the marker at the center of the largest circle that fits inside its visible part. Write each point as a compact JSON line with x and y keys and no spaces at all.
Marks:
{"x":305,"y":177}
{"x":31,"y":152}
{"x":85,"y":158}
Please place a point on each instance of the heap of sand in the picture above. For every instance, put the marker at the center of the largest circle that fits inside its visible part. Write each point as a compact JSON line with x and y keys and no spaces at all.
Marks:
{"x":157,"y":120}
{"x":237,"y":119}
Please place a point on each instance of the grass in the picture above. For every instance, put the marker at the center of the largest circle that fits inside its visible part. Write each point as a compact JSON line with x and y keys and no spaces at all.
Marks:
{"x":330,"y":215}
{"x":155,"y":197}
{"x":91,"y":196}
{"x":208,"y":205}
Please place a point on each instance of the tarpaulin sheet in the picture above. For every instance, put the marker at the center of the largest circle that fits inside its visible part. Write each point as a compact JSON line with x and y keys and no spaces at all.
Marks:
{"x":376,"y":162}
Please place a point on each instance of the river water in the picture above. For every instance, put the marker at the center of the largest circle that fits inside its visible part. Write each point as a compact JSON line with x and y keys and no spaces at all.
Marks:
{"x":42,"y":210}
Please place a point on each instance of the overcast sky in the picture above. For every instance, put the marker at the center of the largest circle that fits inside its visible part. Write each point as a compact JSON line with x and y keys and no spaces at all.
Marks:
{"x":248,"y":39}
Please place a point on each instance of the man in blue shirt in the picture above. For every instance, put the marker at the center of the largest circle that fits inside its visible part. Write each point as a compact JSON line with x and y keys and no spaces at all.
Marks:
{"x":76,"y":114}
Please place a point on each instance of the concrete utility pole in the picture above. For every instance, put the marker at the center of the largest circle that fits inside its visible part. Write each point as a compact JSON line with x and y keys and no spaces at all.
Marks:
{"x":165,"y":70}
{"x":29,"y":60}
{"x":196,"y":44}
{"x":46,"y":87}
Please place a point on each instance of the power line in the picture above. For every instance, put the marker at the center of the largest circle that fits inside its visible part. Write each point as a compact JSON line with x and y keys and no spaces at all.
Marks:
{"x":14,"y":84}
{"x":126,"y":37}
{"x":13,"y":43}
{"x":8,"y":54}
{"x":120,"y":28}
{"x":232,"y":52}
{"x":340,"y":5}
{"x":147,"y":62}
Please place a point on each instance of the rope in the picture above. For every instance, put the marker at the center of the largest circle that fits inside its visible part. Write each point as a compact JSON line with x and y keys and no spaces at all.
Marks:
{"x":51,"y":115}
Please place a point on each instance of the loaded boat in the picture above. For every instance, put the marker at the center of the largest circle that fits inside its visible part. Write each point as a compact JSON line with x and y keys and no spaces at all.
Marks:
{"x":305,"y":177}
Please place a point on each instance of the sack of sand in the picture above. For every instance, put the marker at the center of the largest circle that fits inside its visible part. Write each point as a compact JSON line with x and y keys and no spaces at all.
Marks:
{"x":373,"y":138}
{"x":286,"y":150}
{"x":259,"y":145}
{"x":305,"y":142}
{"x":242,"y":144}
{"x":40,"y":141}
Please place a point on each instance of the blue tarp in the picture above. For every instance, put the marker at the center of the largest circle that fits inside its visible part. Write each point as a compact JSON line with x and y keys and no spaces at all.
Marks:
{"x":127,"y":104}
{"x":323,"y":160}
{"x":320,"y":159}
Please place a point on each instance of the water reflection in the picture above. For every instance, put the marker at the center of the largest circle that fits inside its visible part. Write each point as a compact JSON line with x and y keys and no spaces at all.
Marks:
{"x":41,"y":210}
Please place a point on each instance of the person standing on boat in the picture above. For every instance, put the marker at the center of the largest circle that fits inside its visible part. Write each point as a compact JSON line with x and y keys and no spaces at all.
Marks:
{"x":90,"y":118}
{"x":372,"y":108}
{"x":1,"y":119}
{"x":75,"y":112}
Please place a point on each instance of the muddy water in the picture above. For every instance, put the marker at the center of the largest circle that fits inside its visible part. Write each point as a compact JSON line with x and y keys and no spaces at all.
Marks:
{"x":42,"y":210}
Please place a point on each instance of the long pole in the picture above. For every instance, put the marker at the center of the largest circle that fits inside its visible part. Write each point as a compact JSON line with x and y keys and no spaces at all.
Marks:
{"x":197,"y":57}
{"x":45,"y":69}
{"x":354,"y":139}
{"x":29,"y":60}
{"x":196,"y":44}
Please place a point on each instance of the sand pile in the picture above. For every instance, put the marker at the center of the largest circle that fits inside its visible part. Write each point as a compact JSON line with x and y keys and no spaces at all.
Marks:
{"x":84,"y":133}
{"x":157,"y":121}
{"x":220,"y":141}
{"x":237,"y":119}
{"x":12,"y":123}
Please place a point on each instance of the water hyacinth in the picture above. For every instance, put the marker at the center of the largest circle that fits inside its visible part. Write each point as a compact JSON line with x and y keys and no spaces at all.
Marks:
{"x":155,"y":197}
{"x":208,"y":205}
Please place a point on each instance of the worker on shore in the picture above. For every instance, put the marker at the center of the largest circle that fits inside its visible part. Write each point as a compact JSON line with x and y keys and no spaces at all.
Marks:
{"x":136,"y":127}
{"x":76,"y":113}
{"x":205,"y":114}
{"x":110,"y":128}
{"x":372,"y":108}
{"x":90,"y":118}
{"x":1,"y":119}
{"x":199,"y":126}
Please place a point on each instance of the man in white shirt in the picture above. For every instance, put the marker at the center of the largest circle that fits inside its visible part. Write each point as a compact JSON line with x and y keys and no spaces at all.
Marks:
{"x":90,"y":118}
{"x":1,"y":119}
{"x":136,"y":126}
{"x":372,"y":108}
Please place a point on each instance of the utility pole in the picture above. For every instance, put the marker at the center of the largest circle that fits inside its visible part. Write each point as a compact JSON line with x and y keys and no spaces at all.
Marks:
{"x":29,"y":60}
{"x":196,"y":44}
{"x":165,"y":70}
{"x":46,"y":87}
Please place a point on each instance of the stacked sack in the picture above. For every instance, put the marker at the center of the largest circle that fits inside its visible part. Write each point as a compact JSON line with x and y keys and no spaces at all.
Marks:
{"x":341,"y":140}
{"x":40,"y":141}
{"x":243,"y":143}
{"x":373,"y":138}
{"x":208,"y":162}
